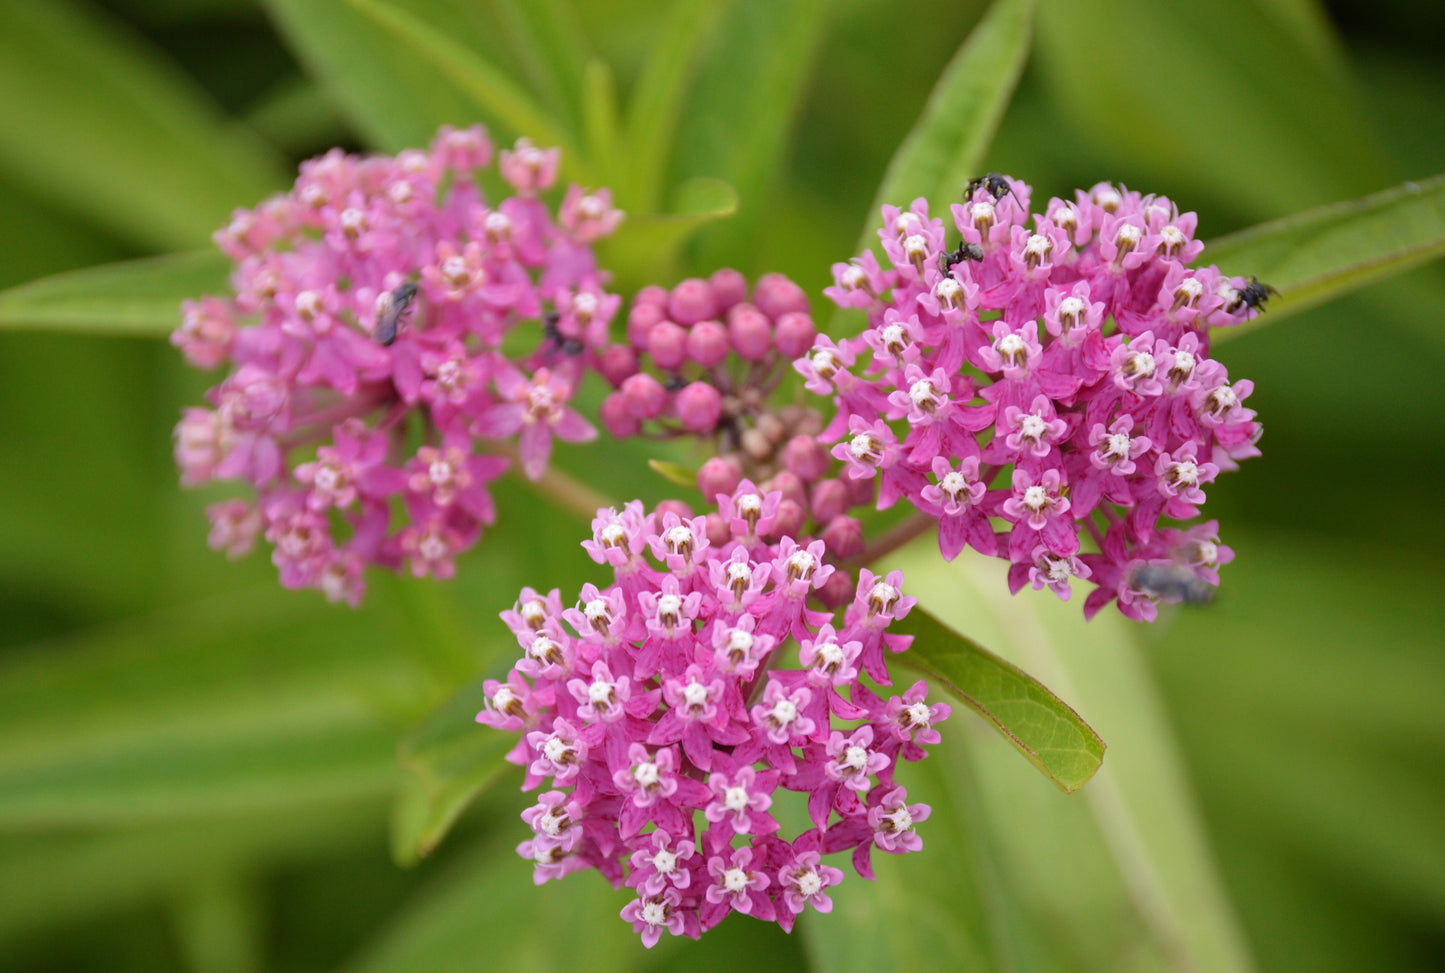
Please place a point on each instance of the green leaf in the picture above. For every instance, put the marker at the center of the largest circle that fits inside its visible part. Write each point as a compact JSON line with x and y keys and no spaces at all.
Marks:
{"x":448,"y":759}
{"x":98,"y":122}
{"x":491,"y":90}
{"x":1034,"y":721}
{"x":644,"y":248}
{"x":674,"y":473}
{"x":394,"y":98}
{"x":947,"y":144}
{"x":255,"y":701}
{"x":545,"y":36}
{"x":602,"y":130}
{"x":136,"y":297}
{"x":658,"y":98}
{"x":1317,"y":255}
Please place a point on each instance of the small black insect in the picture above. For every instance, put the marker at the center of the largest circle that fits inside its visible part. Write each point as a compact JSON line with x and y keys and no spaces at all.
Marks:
{"x":997,"y":187}
{"x":390,"y":312}
{"x":1172,"y":582}
{"x":965,"y":251}
{"x":675,"y":384}
{"x":550,"y":332}
{"x":1252,"y":295}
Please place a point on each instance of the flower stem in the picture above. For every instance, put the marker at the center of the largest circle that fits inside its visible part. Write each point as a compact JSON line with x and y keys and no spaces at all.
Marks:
{"x":896,"y":537}
{"x":563,"y":489}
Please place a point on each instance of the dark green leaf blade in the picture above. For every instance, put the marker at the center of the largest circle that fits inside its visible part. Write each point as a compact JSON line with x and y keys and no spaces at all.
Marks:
{"x":95,"y":120}
{"x":448,"y":760}
{"x":1317,"y":255}
{"x":136,"y":297}
{"x":947,"y":145}
{"x":1038,"y":724}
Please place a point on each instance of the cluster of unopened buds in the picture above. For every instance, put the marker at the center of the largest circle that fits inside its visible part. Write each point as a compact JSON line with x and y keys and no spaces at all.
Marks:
{"x":368,"y":397}
{"x":1033,"y":385}
{"x":669,"y":710}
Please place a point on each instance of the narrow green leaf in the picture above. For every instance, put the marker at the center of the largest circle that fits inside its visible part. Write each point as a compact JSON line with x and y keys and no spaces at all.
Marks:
{"x":947,"y":145}
{"x":1317,"y":255}
{"x":659,"y":95}
{"x":98,"y":122}
{"x":602,"y":129}
{"x":491,"y":90}
{"x":393,"y":97}
{"x":544,"y":35}
{"x":674,"y":473}
{"x":1034,"y":721}
{"x":299,"y":115}
{"x":644,"y":248}
{"x":449,"y":759}
{"x":136,"y":297}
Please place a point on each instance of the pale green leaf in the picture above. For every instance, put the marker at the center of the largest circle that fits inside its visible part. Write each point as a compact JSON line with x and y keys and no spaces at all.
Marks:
{"x":546,"y":38}
{"x":601,"y":126}
{"x":137,"y":297}
{"x":658,"y":98}
{"x":1317,"y":255}
{"x":644,"y":248}
{"x":946,"y":146}
{"x":674,"y":473}
{"x":497,"y":96}
{"x":1034,"y":721}
{"x":97,"y":121}
{"x":448,"y":760}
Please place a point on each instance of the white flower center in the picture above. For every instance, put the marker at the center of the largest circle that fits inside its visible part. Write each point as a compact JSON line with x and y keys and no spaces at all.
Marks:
{"x":1033,"y":427}
{"x":1035,"y":497}
{"x":555,"y":749}
{"x":695,"y":695}
{"x":735,"y":799}
{"x":919,"y":714}
{"x":735,"y":880}
{"x":646,"y":774}
{"x":808,"y":883}
{"x":854,"y":757}
{"x":784,"y":712}
{"x":654,"y":913}
{"x":665,"y":862}
{"x":599,"y":692}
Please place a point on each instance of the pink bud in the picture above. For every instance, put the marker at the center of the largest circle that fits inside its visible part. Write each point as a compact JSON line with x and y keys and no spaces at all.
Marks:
{"x":654,"y":295}
{"x":751,"y":332}
{"x":718,"y":475}
{"x":790,"y":486}
{"x":667,"y":344}
{"x":843,"y":537}
{"x":616,"y":417}
{"x":862,"y":491}
{"x":806,"y":458}
{"x":698,"y":407}
{"x":729,"y":287}
{"x":719,"y":532}
{"x":830,"y":498}
{"x":788,"y":522}
{"x":795,"y":334}
{"x":691,"y":301}
{"x":776,"y":295}
{"x":640,"y":321}
{"x":673,"y":507}
{"x":617,"y":363}
{"x":646,"y":398}
{"x":837,"y":591}
{"x":707,"y":343}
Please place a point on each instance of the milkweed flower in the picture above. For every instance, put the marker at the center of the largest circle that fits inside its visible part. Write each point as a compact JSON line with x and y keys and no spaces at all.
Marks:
{"x":1045,"y":392}
{"x":667,"y":714}
{"x":368,"y":388}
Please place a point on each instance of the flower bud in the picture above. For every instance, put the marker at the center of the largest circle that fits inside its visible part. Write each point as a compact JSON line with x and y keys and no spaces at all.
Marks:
{"x":616,"y":417}
{"x":788,"y":522}
{"x":776,"y":295}
{"x":691,"y":301}
{"x":617,"y":363}
{"x":653,"y":295}
{"x":844,"y":537}
{"x":673,"y":507}
{"x":718,"y":475}
{"x":729,"y":287}
{"x":829,"y":499}
{"x":806,"y":458}
{"x":645,"y":396}
{"x":719,"y":532}
{"x":837,"y":591}
{"x":640,"y":321}
{"x":698,"y":407}
{"x":795,"y":334}
{"x":751,"y":332}
{"x":790,"y":487}
{"x":861,"y":491}
{"x":667,"y":343}
{"x":707,"y":343}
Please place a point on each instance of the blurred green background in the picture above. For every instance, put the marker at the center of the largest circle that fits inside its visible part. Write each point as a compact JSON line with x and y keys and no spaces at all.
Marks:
{"x":196,"y":767}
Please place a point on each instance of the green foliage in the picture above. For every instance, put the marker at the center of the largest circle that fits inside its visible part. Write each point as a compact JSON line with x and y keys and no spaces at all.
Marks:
{"x":197,"y":769}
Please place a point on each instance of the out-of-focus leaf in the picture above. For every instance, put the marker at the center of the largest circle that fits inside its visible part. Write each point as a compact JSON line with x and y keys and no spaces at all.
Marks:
{"x":1322,"y":253}
{"x":1140,"y":799}
{"x":498,"y":97}
{"x":487,"y":907}
{"x":658,"y":98}
{"x":747,"y":97}
{"x":449,"y":759}
{"x":394,"y":98}
{"x":674,"y":473}
{"x":98,"y":122}
{"x":299,"y":115}
{"x":553,"y":51}
{"x":947,"y":145}
{"x":601,"y":126}
{"x":1217,"y":95}
{"x":644,"y":247}
{"x":232,"y":704}
{"x":136,"y":297}
{"x":219,"y":923}
{"x":1034,"y":721}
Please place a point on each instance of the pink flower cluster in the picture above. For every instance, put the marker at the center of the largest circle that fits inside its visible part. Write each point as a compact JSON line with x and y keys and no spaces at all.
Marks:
{"x":1030,"y":386}
{"x":668,"y":709}
{"x":703,"y":359}
{"x":368,"y":392}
